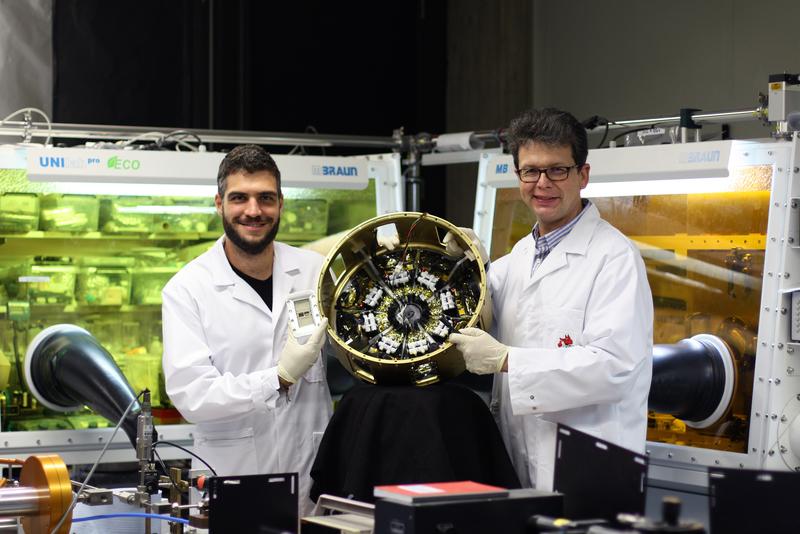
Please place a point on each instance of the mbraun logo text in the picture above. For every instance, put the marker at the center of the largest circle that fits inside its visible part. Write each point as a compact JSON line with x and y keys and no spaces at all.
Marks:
{"x":708,"y":156}
{"x":501,"y":168}
{"x":333,"y":170}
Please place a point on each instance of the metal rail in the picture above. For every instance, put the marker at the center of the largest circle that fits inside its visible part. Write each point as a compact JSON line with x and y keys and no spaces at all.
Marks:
{"x":719,"y":117}
{"x":108,"y":132}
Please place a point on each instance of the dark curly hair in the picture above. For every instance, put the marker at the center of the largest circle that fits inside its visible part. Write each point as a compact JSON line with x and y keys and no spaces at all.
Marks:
{"x":549,"y":126}
{"x":248,"y":158}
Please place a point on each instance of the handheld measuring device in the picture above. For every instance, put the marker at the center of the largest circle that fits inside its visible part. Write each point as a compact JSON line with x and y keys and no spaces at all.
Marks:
{"x":303,"y":312}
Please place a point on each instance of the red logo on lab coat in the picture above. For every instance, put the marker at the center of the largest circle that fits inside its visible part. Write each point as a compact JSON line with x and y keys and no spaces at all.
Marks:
{"x":565,"y":341}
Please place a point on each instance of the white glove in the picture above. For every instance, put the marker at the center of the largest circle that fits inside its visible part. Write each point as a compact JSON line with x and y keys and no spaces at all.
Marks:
{"x":388,"y":241}
{"x":454,"y":249}
{"x":296,"y":359}
{"x":482,"y":353}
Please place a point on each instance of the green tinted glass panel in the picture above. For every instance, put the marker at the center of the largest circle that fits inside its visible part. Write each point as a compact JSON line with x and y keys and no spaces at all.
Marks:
{"x":100,"y":262}
{"x":704,"y":255}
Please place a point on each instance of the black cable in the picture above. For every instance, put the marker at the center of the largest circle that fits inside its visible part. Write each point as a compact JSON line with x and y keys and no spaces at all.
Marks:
{"x":184,"y":134}
{"x":605,"y":135}
{"x":408,"y":236}
{"x":166,"y":471}
{"x":184,"y":449}
{"x":593,"y":122}
{"x":17,"y":363}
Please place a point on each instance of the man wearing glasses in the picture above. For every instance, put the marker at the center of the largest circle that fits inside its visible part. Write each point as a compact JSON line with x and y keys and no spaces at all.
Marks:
{"x":573,"y":310}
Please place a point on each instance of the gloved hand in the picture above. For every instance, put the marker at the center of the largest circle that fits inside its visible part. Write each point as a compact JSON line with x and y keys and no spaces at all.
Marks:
{"x":454,"y":249}
{"x":388,"y":241}
{"x":483,"y":354}
{"x":296,"y":359}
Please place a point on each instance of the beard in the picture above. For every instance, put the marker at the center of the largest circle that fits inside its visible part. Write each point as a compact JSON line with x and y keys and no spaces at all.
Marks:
{"x":250,"y":247}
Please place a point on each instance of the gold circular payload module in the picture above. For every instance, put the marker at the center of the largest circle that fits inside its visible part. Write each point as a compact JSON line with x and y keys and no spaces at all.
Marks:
{"x":390,"y":311}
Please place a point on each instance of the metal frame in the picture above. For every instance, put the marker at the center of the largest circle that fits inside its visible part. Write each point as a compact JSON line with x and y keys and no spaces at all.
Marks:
{"x":776,"y":388}
{"x":105,"y":132}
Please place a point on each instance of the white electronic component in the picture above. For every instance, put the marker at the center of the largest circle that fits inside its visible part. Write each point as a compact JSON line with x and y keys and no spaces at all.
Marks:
{"x":428,"y":280}
{"x":370,"y":323}
{"x":399,"y":276}
{"x":418,"y":347}
{"x":388,"y":345}
{"x":441,"y":329}
{"x":448,"y":302}
{"x":303,"y":313}
{"x":373,"y":296}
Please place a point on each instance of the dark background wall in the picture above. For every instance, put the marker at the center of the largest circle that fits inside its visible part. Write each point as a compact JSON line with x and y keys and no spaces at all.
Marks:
{"x":361,"y":68}
{"x":426,"y":65}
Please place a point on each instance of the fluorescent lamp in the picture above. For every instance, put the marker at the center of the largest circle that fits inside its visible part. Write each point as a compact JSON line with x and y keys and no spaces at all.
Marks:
{"x":172,"y":168}
{"x":688,"y":161}
{"x":136,"y":190}
{"x":645,"y":170}
{"x":658,"y":187}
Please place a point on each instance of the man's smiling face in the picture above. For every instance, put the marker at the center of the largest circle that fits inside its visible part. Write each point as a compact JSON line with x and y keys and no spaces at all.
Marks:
{"x":553,"y":203}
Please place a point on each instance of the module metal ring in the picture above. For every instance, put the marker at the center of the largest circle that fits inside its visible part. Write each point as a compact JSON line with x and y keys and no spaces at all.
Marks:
{"x":390,"y":310}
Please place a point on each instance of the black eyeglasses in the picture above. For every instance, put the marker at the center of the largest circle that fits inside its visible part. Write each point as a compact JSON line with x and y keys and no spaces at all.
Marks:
{"x":531,"y":175}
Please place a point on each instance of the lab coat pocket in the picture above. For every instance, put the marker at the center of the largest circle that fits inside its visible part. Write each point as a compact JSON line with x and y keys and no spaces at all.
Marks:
{"x":229,"y":452}
{"x":561,"y":328}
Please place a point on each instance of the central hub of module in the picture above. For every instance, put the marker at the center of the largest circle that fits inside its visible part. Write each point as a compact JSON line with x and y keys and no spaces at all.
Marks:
{"x":409,"y":315}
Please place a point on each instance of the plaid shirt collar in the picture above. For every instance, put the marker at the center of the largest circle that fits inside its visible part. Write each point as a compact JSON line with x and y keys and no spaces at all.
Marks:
{"x":546,"y":243}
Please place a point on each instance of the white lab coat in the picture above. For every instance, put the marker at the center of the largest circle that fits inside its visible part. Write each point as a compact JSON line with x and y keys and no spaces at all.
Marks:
{"x":593,"y":288}
{"x":221,"y":350}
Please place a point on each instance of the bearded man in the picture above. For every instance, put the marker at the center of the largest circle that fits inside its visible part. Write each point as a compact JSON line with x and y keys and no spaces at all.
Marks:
{"x":259,"y":398}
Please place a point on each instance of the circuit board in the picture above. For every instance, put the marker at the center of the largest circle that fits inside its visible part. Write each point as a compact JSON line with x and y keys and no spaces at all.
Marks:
{"x":405,"y":303}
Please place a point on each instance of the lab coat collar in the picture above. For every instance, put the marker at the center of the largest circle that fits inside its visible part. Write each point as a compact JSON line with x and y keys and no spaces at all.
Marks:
{"x":285,"y":267}
{"x":576,"y":242}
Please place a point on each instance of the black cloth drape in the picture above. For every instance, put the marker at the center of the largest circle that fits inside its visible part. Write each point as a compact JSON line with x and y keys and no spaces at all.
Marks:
{"x":404,"y":434}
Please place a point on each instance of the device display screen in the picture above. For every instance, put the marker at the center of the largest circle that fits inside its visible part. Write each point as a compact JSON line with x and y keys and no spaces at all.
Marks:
{"x":303,"y":310}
